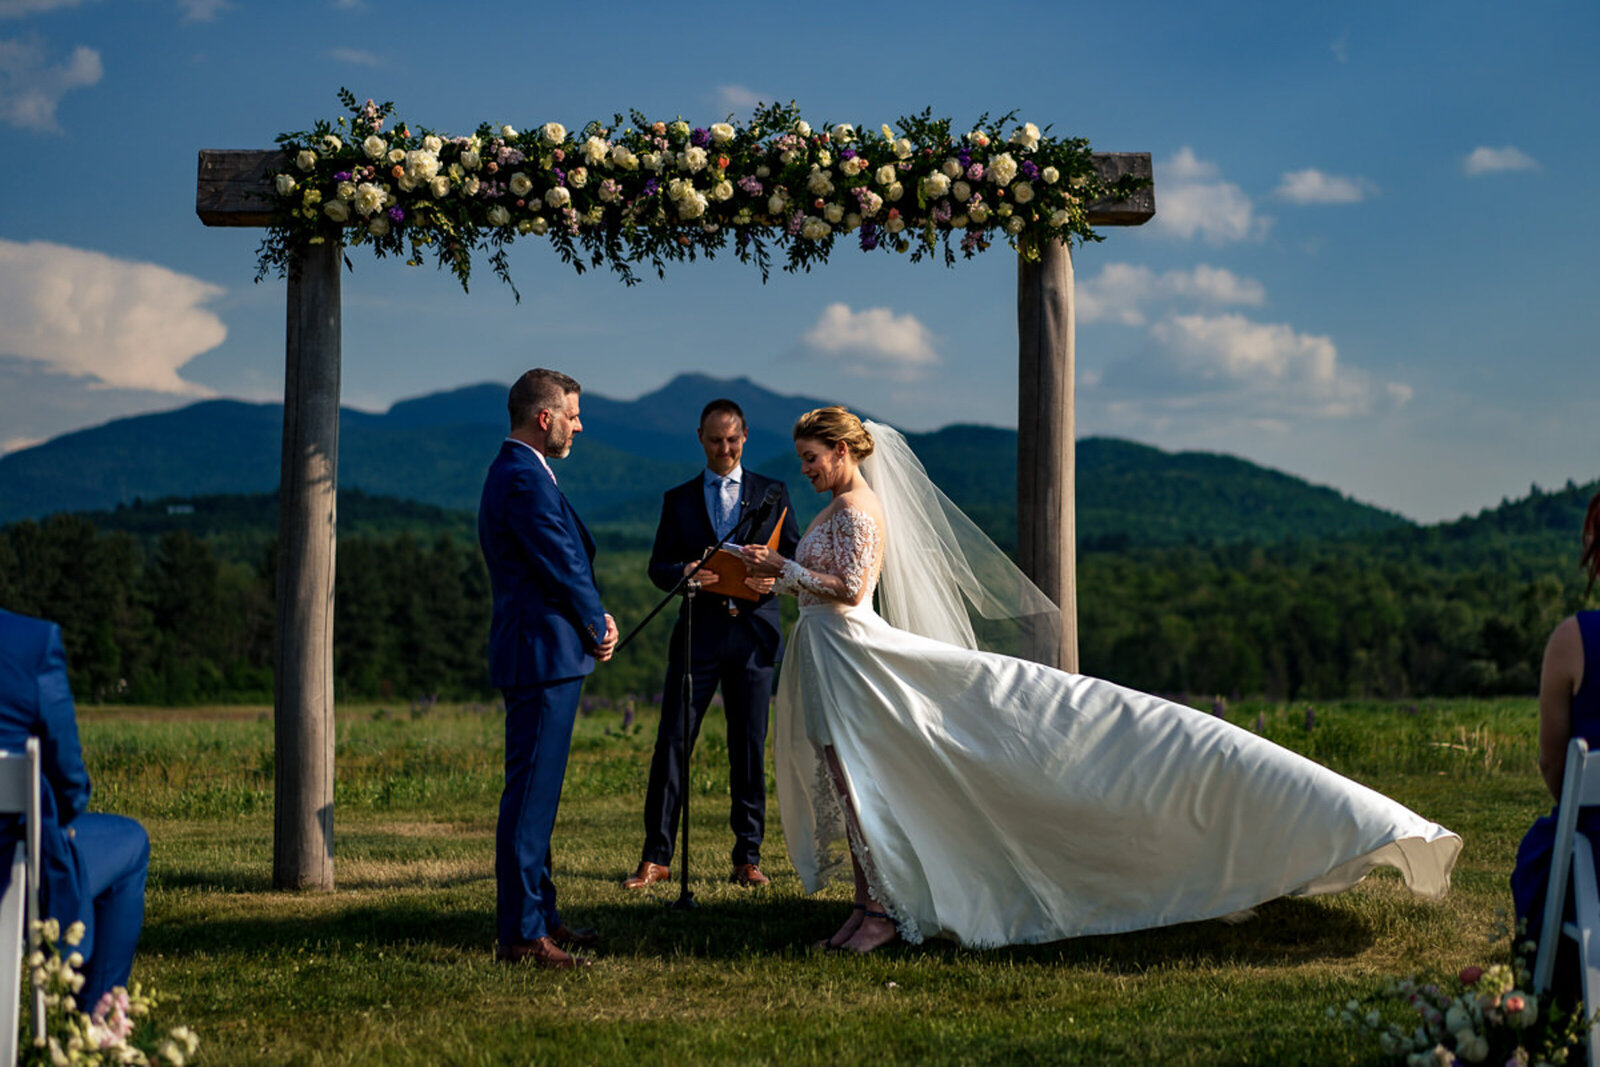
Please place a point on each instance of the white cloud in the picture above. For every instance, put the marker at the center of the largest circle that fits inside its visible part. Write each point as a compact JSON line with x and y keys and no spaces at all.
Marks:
{"x":737,"y":97}
{"x":1191,"y":201}
{"x":1341,"y":47}
{"x":201,"y":10}
{"x":31,"y":86}
{"x":1483,"y":160}
{"x":14,"y":9}
{"x":874,"y":343}
{"x":1312,"y":186}
{"x":121,"y":324}
{"x":1231,"y":369}
{"x":1122,"y":292}
{"x":357,"y":56}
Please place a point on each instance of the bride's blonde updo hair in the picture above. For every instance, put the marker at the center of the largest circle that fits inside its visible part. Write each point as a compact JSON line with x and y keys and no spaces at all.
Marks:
{"x":831,"y":425}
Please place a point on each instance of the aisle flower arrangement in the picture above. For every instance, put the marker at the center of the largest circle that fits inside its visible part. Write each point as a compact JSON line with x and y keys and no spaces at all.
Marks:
{"x":116,"y":1030}
{"x":646,"y":193}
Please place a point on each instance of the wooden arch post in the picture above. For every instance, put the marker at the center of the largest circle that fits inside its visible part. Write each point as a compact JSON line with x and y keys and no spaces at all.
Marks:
{"x":233,"y":190}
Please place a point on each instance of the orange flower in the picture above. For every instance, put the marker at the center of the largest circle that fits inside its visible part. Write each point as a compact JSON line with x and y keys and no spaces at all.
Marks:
{"x":722,"y":162}
{"x":398,"y":171}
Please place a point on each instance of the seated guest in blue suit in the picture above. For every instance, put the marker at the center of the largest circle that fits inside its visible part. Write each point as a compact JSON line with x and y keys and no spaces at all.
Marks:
{"x":547,"y":632}
{"x":94,"y":864}
{"x":735,"y":645}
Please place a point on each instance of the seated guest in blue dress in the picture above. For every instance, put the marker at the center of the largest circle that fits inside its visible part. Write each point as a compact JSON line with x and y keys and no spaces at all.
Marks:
{"x":94,"y":864}
{"x":1569,"y":706}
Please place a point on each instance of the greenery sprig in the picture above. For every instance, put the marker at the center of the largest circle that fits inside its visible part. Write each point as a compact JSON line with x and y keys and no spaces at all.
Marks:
{"x":655,"y":192}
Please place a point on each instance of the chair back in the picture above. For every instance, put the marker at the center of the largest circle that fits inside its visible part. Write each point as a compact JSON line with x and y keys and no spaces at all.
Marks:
{"x":19,"y":907}
{"x":1580,"y":788}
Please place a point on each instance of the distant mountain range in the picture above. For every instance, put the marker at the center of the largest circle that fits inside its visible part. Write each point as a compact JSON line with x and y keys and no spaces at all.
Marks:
{"x":434,"y":450}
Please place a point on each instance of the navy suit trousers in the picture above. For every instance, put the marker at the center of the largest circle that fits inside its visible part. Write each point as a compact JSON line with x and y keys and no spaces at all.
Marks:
{"x":729,"y":655}
{"x":538,"y":738}
{"x":116,"y":859}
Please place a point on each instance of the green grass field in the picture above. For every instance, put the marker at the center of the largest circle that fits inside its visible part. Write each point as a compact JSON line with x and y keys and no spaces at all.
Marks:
{"x":395,"y":966}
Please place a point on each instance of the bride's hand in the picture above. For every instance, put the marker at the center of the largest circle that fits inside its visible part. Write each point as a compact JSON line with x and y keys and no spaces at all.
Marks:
{"x":761,"y":561}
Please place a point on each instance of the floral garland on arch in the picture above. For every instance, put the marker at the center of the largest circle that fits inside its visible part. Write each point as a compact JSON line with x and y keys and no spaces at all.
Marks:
{"x":658,"y":192}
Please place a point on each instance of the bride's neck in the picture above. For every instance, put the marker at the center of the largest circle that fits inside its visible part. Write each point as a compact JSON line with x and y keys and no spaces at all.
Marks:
{"x":846,"y":485}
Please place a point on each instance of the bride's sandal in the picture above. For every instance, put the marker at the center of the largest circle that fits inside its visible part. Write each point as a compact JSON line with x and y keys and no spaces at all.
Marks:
{"x":876,"y":936}
{"x":844,"y":933}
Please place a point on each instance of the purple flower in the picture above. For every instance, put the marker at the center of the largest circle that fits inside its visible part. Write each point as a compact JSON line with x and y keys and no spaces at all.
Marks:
{"x":508,"y":157}
{"x":869,"y":236}
{"x":700,"y":137}
{"x":797,"y":221}
{"x":651,"y":187}
{"x":397,"y":214}
{"x":751,"y":184}
{"x":342,"y":176}
{"x":848,"y":153}
{"x":1030,"y":170}
{"x":965,"y":155}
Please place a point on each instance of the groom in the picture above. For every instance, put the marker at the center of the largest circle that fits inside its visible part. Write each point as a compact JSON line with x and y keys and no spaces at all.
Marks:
{"x":735,"y":645}
{"x":548,"y":630}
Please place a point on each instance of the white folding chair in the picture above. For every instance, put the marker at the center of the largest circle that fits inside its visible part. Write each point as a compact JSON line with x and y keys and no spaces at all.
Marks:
{"x":19,"y":908}
{"x":1580,"y":788}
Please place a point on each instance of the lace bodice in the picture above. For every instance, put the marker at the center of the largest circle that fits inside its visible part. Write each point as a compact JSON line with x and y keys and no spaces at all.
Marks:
{"x":847,"y":545}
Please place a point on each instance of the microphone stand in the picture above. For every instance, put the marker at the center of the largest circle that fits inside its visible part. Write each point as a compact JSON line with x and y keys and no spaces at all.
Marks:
{"x":690,"y":587}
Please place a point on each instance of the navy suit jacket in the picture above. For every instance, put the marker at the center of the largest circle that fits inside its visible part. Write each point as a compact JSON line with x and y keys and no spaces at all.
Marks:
{"x":547,"y":614}
{"x":36,"y":701}
{"x":685,"y":532}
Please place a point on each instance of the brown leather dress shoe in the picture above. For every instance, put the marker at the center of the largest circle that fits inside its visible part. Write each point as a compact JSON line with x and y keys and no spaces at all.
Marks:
{"x":749,"y":876}
{"x":582,"y":937}
{"x":647,"y":874}
{"x":540,"y":952}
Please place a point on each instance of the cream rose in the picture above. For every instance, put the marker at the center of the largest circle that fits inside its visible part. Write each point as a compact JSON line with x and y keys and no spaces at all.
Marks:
{"x":723,"y":190}
{"x":951,"y":168}
{"x":1002,"y":169}
{"x":369,"y":198}
{"x":345,"y":191}
{"x":558,"y":197}
{"x":406,"y":183}
{"x":1022,"y":192}
{"x":553,"y":133}
{"x":1050,"y":175}
{"x":622,"y":157}
{"x":980,"y":213}
{"x":439,"y":185}
{"x":432,"y":144}
{"x":802,"y":128}
{"x":286,"y":184}
{"x":471,"y":160}
{"x":819,"y":182}
{"x":895,"y":225}
{"x":958,"y":222}
{"x":305,"y":159}
{"x":693,"y":159}
{"x":935,"y":185}
{"x":1027,"y":137}
{"x":470,"y":186}
{"x":852,"y":221}
{"x":886,"y":174}
{"x":833,"y":213}
{"x":775,"y":204}
{"x":1014,"y":225}
{"x":595,"y":151}
{"x":508,"y":132}
{"x":520,"y":184}
{"x":379,"y":227}
{"x":814,"y":229}
{"x":962,"y":191}
{"x":538,"y":225}
{"x":337,"y":210}
{"x":895,"y":191}
{"x":422,"y":165}
{"x":678,"y":129}
{"x":844,"y":133}
{"x":693,"y":205}
{"x":332,"y":143}
{"x":721,"y":133}
{"x":397,"y":155}
{"x":375,"y":147}
{"x":577,"y":177}
{"x":1060,"y":217}
{"x":902,"y":148}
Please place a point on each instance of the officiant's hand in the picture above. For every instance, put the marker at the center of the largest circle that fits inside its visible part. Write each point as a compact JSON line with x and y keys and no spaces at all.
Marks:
{"x":703,"y":577}
{"x":761,"y":561}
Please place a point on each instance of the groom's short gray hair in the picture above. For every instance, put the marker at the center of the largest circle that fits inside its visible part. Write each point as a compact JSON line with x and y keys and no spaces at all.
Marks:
{"x":539,"y":390}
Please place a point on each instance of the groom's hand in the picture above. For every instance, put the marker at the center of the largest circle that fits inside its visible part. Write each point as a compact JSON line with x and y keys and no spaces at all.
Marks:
{"x":609,"y":644}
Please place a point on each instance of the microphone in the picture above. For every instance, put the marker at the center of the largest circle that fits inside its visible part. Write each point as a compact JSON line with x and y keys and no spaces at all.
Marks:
{"x":750,"y":523}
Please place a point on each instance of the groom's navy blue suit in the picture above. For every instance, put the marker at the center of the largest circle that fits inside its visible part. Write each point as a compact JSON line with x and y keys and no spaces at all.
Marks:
{"x":736,"y":643}
{"x":547,"y":622}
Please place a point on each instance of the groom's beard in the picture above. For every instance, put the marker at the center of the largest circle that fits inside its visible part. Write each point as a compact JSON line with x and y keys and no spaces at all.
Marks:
{"x":558,"y":444}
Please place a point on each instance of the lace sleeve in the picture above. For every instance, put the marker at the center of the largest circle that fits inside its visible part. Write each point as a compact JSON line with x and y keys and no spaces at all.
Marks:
{"x":795,"y":579}
{"x":840,"y":560}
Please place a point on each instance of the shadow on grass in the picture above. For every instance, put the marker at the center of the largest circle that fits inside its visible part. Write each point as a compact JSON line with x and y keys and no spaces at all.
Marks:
{"x":1284,"y":933}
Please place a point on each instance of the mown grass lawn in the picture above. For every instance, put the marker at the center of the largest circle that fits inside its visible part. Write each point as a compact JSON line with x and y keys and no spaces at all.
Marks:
{"x":395,"y":966}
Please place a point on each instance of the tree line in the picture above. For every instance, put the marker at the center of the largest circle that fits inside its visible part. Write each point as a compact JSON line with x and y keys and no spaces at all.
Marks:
{"x":169,"y":618}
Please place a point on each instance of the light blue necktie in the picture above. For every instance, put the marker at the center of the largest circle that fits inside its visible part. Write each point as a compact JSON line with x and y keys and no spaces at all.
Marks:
{"x":727,"y":498}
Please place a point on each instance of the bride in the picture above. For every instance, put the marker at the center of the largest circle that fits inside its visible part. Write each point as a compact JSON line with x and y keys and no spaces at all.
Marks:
{"x":996,"y":801}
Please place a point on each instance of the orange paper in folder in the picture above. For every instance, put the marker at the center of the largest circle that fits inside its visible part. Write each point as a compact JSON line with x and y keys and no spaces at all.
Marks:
{"x":730,"y":569}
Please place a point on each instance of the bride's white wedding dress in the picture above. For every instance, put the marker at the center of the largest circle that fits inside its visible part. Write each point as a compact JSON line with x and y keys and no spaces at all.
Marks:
{"x":1005,"y":802}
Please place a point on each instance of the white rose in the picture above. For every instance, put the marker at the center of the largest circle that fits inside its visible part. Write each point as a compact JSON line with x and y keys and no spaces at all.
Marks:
{"x":895,"y":225}
{"x":470,"y":186}
{"x":345,"y":191}
{"x":1050,"y":175}
{"x":1027,"y":137}
{"x":406,"y":183}
{"x":678,"y":188}
{"x":763,"y":171}
{"x":844,"y":133}
{"x":895,"y":191}
{"x":825,"y":158}
{"x":1471,"y":1047}
{"x":471,"y":159}
{"x":286,"y":184}
{"x":951,"y":168}
{"x":439,"y":186}
{"x":1022,"y":192}
{"x":521,"y":184}
{"x":902,"y":149}
{"x":802,"y":128}
{"x":819,"y":182}
{"x":679,"y":128}
{"x":332,"y":143}
{"x":553,"y":133}
{"x":1060,"y":218}
{"x":305,"y":159}
{"x":958,"y":222}
{"x":723,"y":190}
{"x":538,"y":226}
{"x":775,"y":204}
{"x":935,"y":185}
{"x":369,"y":198}
{"x":375,"y":147}
{"x":1014,"y":225}
{"x":814,"y":229}
{"x":558,"y":197}
{"x":693,"y":159}
{"x":507,"y":132}
{"x":1002,"y":169}
{"x":422,"y":165}
{"x":577,"y":177}
{"x":397,"y":155}
{"x":595,"y":151}
{"x":721,"y":133}
{"x":833,"y":213}
{"x":852,"y":221}
{"x":652,"y":161}
{"x":980,"y":213}
{"x":979,"y":138}
{"x":379,"y":226}
{"x":337,"y":210}
{"x":788,"y":156}
{"x":693,"y":205}
{"x":498,"y":215}
{"x":621,"y":156}
{"x":432,"y":144}
{"x":962,"y":191}
{"x":886,"y":174}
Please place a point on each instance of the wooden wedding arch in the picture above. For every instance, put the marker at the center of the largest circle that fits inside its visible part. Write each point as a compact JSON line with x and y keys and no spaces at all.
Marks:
{"x":236,"y":189}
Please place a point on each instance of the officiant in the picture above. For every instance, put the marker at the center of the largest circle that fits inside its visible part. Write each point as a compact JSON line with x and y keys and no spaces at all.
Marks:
{"x":736,"y":643}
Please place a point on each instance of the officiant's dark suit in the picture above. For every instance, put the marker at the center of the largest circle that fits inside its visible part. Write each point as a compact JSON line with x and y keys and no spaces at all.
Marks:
{"x":547,"y":632}
{"x":736,"y":643}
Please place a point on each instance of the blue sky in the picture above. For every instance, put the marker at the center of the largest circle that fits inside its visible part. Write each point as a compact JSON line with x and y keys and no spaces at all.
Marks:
{"x":1372,"y":264}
